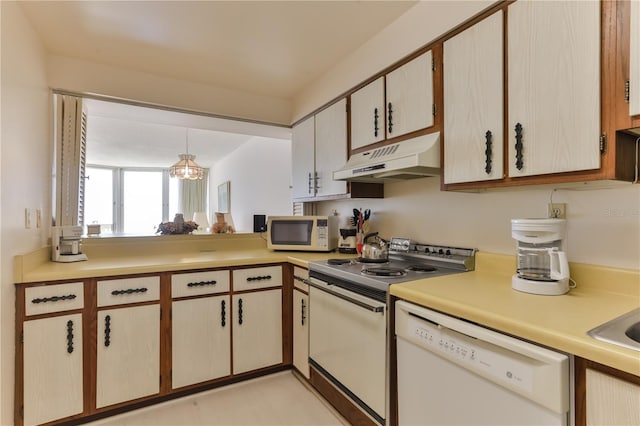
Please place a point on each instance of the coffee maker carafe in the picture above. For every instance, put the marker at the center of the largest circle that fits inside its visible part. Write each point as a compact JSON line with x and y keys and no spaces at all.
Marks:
{"x":542,"y":266}
{"x":347,"y":241}
{"x":66,"y":242}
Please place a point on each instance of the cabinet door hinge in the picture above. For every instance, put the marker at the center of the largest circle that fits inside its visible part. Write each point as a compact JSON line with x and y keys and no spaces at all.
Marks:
{"x":603,"y":143}
{"x":433,"y":64}
{"x":161,"y":380}
{"x":22,"y":412}
{"x":433,"y":109}
{"x":22,"y":337}
{"x":160,"y":314}
{"x":627,"y":91}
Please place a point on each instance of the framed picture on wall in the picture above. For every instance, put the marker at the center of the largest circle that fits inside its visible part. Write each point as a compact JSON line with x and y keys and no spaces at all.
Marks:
{"x":224,"y":197}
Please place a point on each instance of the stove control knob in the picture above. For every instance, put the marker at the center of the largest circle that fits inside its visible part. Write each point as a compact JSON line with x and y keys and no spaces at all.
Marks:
{"x":448,"y":252}
{"x":441,"y":252}
{"x":426,"y":249}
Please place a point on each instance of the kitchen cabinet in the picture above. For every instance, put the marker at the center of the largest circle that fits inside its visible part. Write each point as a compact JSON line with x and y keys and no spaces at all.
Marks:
{"x":320,"y":147}
{"x":128,"y":340}
{"x":553,"y":87}
{"x":257,"y":330}
{"x":473,"y":103}
{"x":634,"y":59}
{"x":52,"y":353}
{"x":301,"y":321}
{"x":200,"y":327}
{"x":611,"y":400}
{"x":257,"y":318}
{"x":399,"y":103}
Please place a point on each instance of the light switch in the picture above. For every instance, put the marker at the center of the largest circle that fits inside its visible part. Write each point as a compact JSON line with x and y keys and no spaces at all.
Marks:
{"x":27,"y":218}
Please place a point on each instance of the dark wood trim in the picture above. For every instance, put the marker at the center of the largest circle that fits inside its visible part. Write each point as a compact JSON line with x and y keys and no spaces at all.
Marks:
{"x":166,"y":332}
{"x":354,"y":190}
{"x":90,"y":345}
{"x":18,"y":392}
{"x":392,"y":416}
{"x":344,"y":406}
{"x":287,"y":314}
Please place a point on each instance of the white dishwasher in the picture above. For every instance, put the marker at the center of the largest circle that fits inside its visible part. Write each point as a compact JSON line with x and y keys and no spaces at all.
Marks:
{"x":453,"y":372}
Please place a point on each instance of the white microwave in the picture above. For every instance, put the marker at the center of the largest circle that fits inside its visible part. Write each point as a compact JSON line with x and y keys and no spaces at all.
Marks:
{"x":302,"y":233}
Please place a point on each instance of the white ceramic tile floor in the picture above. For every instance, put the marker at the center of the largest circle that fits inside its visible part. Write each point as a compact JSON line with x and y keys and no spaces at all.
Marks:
{"x":274,"y":400}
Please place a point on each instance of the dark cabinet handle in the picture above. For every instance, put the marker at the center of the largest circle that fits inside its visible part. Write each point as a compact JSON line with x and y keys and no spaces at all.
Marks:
{"x":240,"y":311}
{"x":69,"y":336}
{"x":129,"y":291}
{"x":390,"y":117}
{"x":259,"y":278}
{"x":54,"y":298}
{"x":223,"y":313}
{"x":488,"y":151}
{"x":304,"y":316}
{"x":310,"y":184}
{"x":519,"y":146}
{"x":376,"y":116}
{"x":107,"y":330}
{"x":202,"y":283}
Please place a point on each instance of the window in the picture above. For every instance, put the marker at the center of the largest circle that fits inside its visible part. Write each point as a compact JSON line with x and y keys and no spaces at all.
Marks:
{"x":130,"y":201}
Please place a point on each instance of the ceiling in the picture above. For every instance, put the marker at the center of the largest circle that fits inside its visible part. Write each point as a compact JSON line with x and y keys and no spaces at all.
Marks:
{"x":270,"y":48}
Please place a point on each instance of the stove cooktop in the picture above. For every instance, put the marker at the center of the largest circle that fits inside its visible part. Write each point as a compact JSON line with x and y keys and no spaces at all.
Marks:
{"x":408,"y":261}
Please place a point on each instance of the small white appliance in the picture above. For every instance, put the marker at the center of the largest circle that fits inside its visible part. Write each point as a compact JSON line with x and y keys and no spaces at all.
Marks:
{"x":542,"y":266}
{"x":302,"y":233}
{"x":66,"y":244}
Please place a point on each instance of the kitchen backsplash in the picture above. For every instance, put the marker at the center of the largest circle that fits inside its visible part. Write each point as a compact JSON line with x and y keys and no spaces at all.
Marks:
{"x":603,"y":224}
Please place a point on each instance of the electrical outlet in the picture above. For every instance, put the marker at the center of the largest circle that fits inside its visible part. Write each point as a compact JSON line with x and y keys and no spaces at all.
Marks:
{"x":557,"y":210}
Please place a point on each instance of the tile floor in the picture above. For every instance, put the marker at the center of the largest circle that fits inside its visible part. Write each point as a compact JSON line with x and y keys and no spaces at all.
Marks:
{"x":274,"y":400}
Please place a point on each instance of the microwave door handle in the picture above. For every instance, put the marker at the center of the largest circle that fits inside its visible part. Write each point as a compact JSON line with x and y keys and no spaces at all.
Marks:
{"x":375,"y":309}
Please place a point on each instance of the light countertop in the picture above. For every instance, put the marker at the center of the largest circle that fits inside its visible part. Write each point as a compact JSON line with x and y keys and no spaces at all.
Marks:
{"x":484,"y":296}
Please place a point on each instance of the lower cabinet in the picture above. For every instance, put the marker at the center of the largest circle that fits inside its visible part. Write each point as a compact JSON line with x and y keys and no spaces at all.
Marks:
{"x":201,"y":340}
{"x":611,"y":400}
{"x":128,"y":355}
{"x":257,"y":330}
{"x":53,"y":380}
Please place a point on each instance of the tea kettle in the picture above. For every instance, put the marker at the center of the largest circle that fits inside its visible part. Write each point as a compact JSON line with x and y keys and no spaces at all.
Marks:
{"x":374,"y":250}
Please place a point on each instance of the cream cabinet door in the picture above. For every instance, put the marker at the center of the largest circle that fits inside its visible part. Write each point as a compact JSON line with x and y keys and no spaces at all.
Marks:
{"x":410,"y":96}
{"x":53,"y":387}
{"x":128,"y":355}
{"x":200,"y":340}
{"x":368,"y":114}
{"x":257,"y":330}
{"x":301,"y":332}
{"x":303,"y":159}
{"x":331,"y":148}
{"x":554,"y":86}
{"x":634,"y":60}
{"x":473,"y":103}
{"x":611,"y":401}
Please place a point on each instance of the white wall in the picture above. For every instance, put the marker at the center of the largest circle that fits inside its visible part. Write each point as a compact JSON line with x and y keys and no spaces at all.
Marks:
{"x":25,"y":147}
{"x":604,"y":225}
{"x":259,"y":173}
{"x":89,"y":77}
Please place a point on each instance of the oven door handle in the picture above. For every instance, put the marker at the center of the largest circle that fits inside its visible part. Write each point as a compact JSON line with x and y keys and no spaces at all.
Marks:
{"x":376,"y":309}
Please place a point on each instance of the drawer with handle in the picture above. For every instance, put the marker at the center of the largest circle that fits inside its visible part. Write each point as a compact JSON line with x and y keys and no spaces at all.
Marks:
{"x":47,"y":299}
{"x":128,"y":290}
{"x":253,"y":278}
{"x":198,"y":283}
{"x":301,"y":279}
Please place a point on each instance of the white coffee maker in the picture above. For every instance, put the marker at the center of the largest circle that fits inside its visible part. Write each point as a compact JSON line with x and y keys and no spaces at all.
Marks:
{"x":542,"y":266}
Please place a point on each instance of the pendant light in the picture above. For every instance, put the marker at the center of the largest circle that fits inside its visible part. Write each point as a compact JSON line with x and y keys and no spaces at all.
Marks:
{"x":186,"y":168}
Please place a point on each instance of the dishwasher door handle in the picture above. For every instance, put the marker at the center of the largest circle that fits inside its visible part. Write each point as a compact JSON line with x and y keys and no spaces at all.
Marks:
{"x":375,"y":309}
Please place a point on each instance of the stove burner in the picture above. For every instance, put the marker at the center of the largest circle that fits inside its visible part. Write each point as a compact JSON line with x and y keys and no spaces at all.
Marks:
{"x":384,"y":271}
{"x":338,"y":261}
{"x":421,"y":268}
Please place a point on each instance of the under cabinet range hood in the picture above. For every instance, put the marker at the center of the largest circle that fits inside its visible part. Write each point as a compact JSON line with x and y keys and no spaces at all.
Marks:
{"x":409,"y":159}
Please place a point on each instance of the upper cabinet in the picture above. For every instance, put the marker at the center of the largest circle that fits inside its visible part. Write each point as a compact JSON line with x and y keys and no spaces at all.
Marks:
{"x":319,"y":148}
{"x":554,"y":87}
{"x":473,"y":103}
{"x":394,"y":105}
{"x":634,"y":60}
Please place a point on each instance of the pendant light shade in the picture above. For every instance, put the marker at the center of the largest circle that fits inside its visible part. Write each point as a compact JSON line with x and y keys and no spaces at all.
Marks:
{"x":186,"y":168}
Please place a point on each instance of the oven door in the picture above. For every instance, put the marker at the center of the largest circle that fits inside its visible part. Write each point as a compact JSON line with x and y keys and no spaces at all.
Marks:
{"x":347,"y":343}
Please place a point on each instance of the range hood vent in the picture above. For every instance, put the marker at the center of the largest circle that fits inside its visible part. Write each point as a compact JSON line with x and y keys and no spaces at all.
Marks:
{"x":410,"y":159}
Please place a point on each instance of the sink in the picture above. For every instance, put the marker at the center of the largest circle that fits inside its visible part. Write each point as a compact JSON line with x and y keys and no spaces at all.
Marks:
{"x":622,"y":331}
